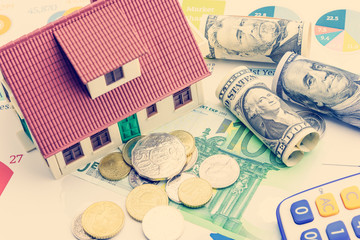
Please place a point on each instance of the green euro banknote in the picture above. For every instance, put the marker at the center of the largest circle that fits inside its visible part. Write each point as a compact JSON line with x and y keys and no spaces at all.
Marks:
{"x":244,"y":210}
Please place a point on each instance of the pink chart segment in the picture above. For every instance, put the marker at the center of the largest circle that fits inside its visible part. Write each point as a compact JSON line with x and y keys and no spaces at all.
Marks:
{"x":5,"y":175}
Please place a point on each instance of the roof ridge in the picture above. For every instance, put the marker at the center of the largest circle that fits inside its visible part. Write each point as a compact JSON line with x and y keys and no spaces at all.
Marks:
{"x":59,"y":23}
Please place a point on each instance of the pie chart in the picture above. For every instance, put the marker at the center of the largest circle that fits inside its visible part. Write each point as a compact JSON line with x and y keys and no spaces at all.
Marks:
{"x":339,"y":30}
{"x":5,"y":24}
{"x":276,"y":12}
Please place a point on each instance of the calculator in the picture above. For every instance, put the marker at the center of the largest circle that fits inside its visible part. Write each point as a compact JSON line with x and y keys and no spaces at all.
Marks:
{"x":330,"y":211}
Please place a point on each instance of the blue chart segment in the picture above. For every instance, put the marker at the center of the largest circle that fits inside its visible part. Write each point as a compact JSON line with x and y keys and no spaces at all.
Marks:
{"x":275,"y":11}
{"x":339,"y":30}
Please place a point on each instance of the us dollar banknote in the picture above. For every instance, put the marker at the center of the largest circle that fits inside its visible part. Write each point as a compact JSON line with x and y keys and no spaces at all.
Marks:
{"x":320,"y":87}
{"x":279,"y":127}
{"x":257,"y":39}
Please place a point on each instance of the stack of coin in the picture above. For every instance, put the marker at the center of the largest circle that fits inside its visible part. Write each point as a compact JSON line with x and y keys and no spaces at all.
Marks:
{"x":172,"y":185}
{"x":151,"y":158}
{"x":78,"y":230}
{"x":147,"y":160}
{"x":158,"y":156}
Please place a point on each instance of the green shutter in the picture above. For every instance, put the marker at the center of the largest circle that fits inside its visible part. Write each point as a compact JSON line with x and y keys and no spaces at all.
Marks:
{"x":129,"y":128}
{"x":25,"y":127}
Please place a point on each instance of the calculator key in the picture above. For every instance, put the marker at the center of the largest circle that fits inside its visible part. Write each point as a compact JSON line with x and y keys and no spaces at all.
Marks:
{"x":311,"y":234}
{"x":326,"y":205}
{"x":351,"y":197}
{"x":355,"y":223}
{"x":337,"y":231}
{"x":301,"y":212}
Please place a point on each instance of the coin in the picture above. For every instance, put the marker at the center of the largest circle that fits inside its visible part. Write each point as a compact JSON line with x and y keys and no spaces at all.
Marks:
{"x":143,"y":198}
{"x":128,"y":147}
{"x":187,"y":139}
{"x":219,"y":170}
{"x":163,"y":223}
{"x":113,"y":167}
{"x":172,"y":185}
{"x":195,"y":192}
{"x":191,"y":160}
{"x":315,"y":120}
{"x":78,"y":230}
{"x":135,"y":179}
{"x":158,"y":156}
{"x":103,"y":219}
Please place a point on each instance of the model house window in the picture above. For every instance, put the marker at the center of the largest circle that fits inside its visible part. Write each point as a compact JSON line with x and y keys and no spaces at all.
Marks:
{"x":151,"y":110}
{"x":182,"y":97}
{"x":114,"y":76}
{"x":100,"y":139}
{"x":72,"y":153}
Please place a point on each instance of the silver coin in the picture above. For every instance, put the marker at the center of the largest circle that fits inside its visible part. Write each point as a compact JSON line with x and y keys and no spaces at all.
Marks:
{"x":158,"y":156}
{"x":192,"y":160}
{"x":219,"y":170}
{"x":315,"y":120}
{"x":78,"y":230}
{"x":173,"y":184}
{"x":135,"y":180}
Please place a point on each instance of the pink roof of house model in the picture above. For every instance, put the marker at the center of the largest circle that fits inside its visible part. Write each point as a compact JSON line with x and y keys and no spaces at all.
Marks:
{"x":48,"y":88}
{"x":99,"y":42}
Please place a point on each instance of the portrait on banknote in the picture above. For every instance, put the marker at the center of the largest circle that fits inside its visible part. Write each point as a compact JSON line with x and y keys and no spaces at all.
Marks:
{"x":321,"y":87}
{"x":251,"y":38}
{"x":267,"y":113}
{"x":278,"y":126}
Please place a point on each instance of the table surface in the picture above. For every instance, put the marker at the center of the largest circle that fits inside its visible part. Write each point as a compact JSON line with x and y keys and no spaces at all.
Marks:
{"x":34,"y":205}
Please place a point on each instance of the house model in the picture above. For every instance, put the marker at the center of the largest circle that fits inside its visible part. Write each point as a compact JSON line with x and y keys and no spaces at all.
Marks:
{"x":92,"y":80}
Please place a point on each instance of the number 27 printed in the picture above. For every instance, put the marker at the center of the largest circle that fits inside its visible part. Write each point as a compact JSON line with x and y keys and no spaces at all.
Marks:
{"x":16,"y":158}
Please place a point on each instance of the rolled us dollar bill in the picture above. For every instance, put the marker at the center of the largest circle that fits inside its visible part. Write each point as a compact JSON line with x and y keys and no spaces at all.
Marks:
{"x":320,"y":87}
{"x":257,"y":39}
{"x":279,"y":127}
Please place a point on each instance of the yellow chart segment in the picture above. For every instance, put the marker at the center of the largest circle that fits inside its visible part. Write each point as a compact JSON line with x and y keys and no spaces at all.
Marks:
{"x":5,"y":24}
{"x":349,"y":43}
{"x":71,"y":10}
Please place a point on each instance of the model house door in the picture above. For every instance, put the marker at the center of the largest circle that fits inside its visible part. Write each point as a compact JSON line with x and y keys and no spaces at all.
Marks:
{"x":129,"y":128}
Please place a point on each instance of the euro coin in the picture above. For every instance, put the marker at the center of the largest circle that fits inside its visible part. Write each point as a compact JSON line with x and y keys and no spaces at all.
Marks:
{"x":128,"y":147}
{"x":143,"y":198}
{"x":172,"y":185}
{"x":187,"y":139}
{"x":113,"y":167}
{"x":195,"y":192}
{"x":191,"y":160}
{"x":103,"y":220}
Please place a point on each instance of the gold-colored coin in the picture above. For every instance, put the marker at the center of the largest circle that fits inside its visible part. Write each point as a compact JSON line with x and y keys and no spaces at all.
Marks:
{"x":195,"y":192}
{"x":143,"y":198}
{"x":103,"y":220}
{"x":128,"y":147}
{"x":186,"y":139}
{"x":113,"y":167}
